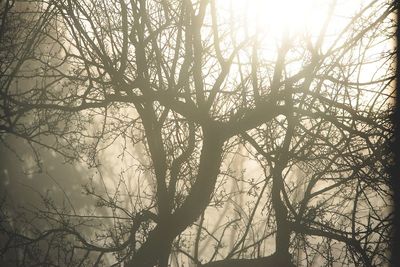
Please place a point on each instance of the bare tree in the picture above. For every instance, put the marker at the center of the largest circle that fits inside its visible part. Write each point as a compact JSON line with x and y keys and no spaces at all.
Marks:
{"x":212,"y":142}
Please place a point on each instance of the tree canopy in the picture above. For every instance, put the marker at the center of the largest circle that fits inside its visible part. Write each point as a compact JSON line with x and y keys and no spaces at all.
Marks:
{"x":204,"y":138}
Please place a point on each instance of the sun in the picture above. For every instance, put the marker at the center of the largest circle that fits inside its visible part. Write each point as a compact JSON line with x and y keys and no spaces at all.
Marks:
{"x":275,"y":18}
{"x":288,"y":16}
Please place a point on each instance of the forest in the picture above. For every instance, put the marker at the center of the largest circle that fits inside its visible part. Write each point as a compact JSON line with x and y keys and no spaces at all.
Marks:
{"x":196,"y":133}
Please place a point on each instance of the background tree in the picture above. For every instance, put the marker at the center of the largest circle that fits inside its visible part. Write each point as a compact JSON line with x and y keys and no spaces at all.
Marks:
{"x":207,"y":140}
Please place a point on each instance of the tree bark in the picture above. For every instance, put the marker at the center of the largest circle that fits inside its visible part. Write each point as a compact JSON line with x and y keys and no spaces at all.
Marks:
{"x":160,"y":239}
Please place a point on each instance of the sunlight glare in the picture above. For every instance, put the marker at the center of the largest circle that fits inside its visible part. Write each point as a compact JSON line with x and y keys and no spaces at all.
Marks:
{"x":287,"y":16}
{"x":284,"y":17}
